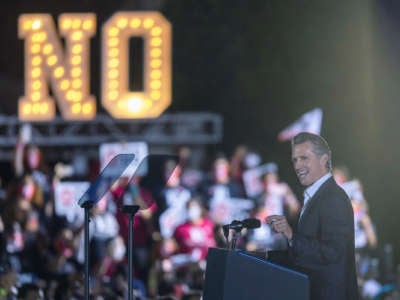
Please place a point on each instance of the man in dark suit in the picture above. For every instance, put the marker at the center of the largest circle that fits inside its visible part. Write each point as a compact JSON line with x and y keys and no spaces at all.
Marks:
{"x":322,"y":246}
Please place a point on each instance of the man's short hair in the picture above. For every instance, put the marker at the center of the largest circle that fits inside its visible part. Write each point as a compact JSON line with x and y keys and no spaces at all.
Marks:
{"x":320,"y":145}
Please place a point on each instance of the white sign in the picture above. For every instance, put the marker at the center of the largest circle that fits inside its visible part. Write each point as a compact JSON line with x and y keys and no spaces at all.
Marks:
{"x":252,"y":178}
{"x":66,"y":197}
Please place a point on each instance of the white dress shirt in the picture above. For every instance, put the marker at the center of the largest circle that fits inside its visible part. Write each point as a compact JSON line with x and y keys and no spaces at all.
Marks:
{"x":312,"y":189}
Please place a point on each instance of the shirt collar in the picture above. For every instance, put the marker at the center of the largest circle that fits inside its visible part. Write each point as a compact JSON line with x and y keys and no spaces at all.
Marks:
{"x":312,"y":189}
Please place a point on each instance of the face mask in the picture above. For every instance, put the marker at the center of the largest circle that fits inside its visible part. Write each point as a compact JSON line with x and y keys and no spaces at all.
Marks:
{"x":102,"y":204}
{"x":28,"y":191}
{"x":119,"y":250}
{"x":194,"y":212}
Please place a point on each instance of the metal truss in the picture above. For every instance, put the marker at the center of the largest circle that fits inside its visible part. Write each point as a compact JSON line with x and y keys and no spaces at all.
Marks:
{"x":183,"y":128}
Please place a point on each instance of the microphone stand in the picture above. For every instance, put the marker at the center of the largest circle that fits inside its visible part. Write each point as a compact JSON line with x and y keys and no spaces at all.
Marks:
{"x":237,"y":226}
{"x":225,"y":229}
{"x":236,"y":235}
{"x":130,"y":210}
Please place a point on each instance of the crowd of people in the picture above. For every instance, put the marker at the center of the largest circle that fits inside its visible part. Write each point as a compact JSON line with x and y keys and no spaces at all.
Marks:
{"x":42,"y":255}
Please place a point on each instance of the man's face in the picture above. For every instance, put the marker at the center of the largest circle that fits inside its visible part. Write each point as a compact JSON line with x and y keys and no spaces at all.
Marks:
{"x":308,"y":166}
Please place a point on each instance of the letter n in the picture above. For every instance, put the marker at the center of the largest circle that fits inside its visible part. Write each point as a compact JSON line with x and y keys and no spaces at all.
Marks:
{"x":66,"y":69}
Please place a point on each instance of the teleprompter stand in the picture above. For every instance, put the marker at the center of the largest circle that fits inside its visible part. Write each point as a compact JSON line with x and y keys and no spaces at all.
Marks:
{"x":130,"y":210}
{"x":128,"y":166}
{"x":114,"y":170}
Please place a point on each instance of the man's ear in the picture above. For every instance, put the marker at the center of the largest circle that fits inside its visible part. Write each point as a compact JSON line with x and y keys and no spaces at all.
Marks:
{"x":324,"y":158}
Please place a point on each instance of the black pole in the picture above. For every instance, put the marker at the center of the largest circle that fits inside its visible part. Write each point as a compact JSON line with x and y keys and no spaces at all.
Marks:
{"x":130,"y":258}
{"x":87,"y":206}
{"x":225,"y":229}
{"x":235,"y":236}
{"x":130,"y":210}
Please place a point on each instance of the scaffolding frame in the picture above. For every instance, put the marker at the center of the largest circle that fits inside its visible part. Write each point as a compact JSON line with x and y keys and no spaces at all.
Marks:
{"x":181,"y":128}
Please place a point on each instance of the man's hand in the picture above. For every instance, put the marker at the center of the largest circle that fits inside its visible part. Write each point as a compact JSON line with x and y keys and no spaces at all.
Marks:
{"x":280,"y":224}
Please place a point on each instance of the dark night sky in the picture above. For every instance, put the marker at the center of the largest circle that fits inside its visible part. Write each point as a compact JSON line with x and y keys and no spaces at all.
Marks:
{"x":261,"y":64}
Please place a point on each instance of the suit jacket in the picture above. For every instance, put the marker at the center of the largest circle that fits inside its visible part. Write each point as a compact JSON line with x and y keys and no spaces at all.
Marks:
{"x":323,"y":244}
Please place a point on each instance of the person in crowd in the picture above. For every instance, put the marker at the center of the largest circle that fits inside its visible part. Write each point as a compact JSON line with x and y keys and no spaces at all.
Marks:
{"x":277,"y":198}
{"x":103,"y":228}
{"x":16,"y":215}
{"x":242,"y":159}
{"x":238,"y":164}
{"x":196,"y":235}
{"x":172,"y":200}
{"x":8,"y":283}
{"x":180,"y":263}
{"x":144,"y":229}
{"x":322,"y":246}
{"x":366,"y":241}
{"x":223,"y":195}
{"x":30,"y":291}
{"x":32,"y":178}
{"x":190,"y":162}
{"x":365,"y":233}
{"x":32,"y":163}
{"x":111,"y":275}
{"x":62,"y":260}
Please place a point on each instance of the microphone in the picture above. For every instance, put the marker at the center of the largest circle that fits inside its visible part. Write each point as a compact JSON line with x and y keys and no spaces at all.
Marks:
{"x":250,"y":223}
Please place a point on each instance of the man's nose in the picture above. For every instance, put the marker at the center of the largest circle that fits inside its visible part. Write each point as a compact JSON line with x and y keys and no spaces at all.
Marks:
{"x":297,"y":165}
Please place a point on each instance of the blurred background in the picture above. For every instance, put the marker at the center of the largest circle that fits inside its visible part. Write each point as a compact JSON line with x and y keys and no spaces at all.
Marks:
{"x":258,"y":66}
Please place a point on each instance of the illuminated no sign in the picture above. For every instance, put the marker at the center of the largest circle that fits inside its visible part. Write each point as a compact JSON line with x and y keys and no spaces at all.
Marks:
{"x":67,"y":69}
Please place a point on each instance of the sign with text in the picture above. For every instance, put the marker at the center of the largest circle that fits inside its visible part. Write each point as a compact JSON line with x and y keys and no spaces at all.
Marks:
{"x":66,"y":196}
{"x":66,"y":68}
